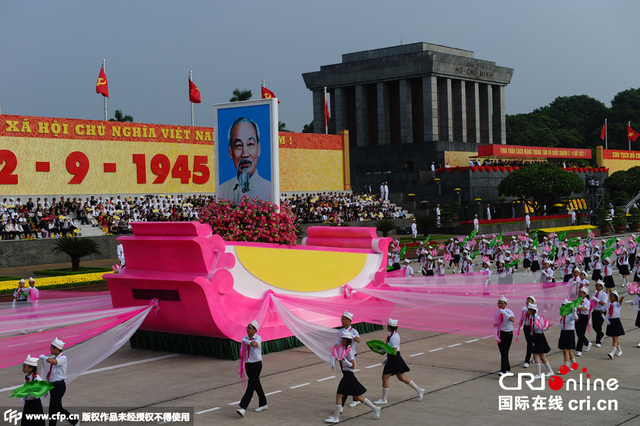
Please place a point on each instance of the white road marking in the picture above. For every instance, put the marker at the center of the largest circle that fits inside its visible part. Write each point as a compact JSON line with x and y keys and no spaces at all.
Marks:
{"x":298,"y":386}
{"x":374,"y":365}
{"x":453,"y":346}
{"x":206,"y":411}
{"x":272,"y":393}
{"x":235,"y":403}
{"x":326,"y":378}
{"x":486,"y":337}
{"x":419,"y":353}
{"x":471,"y":341}
{"x":437,"y":349}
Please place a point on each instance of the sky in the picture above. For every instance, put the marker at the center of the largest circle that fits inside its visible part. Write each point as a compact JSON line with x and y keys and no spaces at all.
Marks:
{"x":52,"y":51}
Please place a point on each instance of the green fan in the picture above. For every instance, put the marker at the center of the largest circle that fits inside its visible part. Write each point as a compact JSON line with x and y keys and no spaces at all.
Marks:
{"x":567,"y":308}
{"x":37,"y":388}
{"x":380,"y":347}
{"x":402,"y":251}
{"x":562,"y":235}
{"x":472,"y":234}
{"x":611,"y":241}
{"x":510,"y":264}
{"x":474,"y":254}
{"x":426,"y":240}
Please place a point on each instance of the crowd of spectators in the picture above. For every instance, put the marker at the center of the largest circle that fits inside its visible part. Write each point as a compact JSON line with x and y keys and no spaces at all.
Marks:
{"x":340,"y":207}
{"x":53,"y":218}
{"x":44,"y":218}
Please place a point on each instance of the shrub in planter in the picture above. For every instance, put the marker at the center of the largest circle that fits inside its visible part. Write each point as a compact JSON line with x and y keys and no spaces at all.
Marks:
{"x":385,"y":226}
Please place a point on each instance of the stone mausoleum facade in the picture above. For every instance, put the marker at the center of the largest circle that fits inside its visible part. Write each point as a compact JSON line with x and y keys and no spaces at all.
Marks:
{"x":406,"y":106}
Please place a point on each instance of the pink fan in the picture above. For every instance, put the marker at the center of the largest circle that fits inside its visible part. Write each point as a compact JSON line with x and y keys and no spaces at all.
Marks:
{"x":523,"y":238}
{"x":542,"y":323}
{"x":633,"y":288}
{"x":629,"y":239}
{"x":559,"y":262}
{"x":579,"y":258}
{"x":591,"y":234}
{"x":339,"y":352}
{"x":441,"y":247}
{"x":396,"y":249}
{"x":433,"y":252}
{"x":594,"y":243}
{"x":582,"y":250}
{"x":619,"y":250}
{"x":448,"y":257}
{"x":460,"y":239}
{"x":633,"y":245}
{"x":504,"y":247}
{"x":563,"y":244}
{"x":547,"y":249}
{"x":551,"y":235}
{"x":516,"y":256}
{"x":472,"y":243}
{"x":486,"y":259}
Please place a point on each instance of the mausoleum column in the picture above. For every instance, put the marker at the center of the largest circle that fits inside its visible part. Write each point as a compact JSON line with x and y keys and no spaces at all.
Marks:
{"x":340,"y":109}
{"x":430,"y":107}
{"x":406,"y":114}
{"x":499,"y":125}
{"x":383,"y":114}
{"x":362,"y":116}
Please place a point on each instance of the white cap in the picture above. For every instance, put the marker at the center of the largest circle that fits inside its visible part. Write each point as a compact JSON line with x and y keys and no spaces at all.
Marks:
{"x":347,"y":314}
{"x":21,"y":280}
{"x":407,"y":261}
{"x":31,"y":279}
{"x":600,"y":282}
{"x":392,"y":322}
{"x":576,"y":270}
{"x":346,"y":335}
{"x":31,"y":361}
{"x":57,"y":343}
{"x":532,"y":297}
{"x":566,"y":301}
{"x":532,"y":306}
{"x":440,"y":261}
{"x":616,"y":293}
{"x":503,"y":299}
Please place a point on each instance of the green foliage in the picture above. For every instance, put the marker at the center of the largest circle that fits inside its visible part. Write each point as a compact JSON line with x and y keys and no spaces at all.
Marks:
{"x":282,"y":126}
{"x":446,"y":212}
{"x":76,"y":248}
{"x":426,"y":222}
{"x":385,"y":226}
{"x":10,"y":278}
{"x":536,"y":129}
{"x":619,"y":216}
{"x":455,"y":207}
{"x":308,"y":128}
{"x":603,"y":218}
{"x":544,"y":184}
{"x":624,"y":180}
{"x":634,"y":215}
{"x":240,"y":95}
{"x":119,"y":116}
{"x":69,"y":271}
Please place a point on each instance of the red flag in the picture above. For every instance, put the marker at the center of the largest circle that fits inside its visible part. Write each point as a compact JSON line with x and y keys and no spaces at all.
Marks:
{"x":267,"y":94}
{"x":327,"y":115}
{"x":102,"y":86}
{"x":603,"y":133}
{"x":631,"y":134}
{"x":194,"y":93}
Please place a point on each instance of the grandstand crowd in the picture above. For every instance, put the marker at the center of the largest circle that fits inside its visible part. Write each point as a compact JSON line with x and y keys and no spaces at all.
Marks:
{"x":51,"y":218}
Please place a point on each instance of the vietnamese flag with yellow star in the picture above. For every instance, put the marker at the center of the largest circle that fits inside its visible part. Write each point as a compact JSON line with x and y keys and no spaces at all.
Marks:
{"x":194,"y":93}
{"x":102,"y":86}
{"x":632,"y":135}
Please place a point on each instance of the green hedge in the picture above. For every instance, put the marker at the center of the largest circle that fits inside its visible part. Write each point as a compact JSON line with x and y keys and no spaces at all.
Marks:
{"x":69,"y":271}
{"x":8,"y":278}
{"x":216,"y":347}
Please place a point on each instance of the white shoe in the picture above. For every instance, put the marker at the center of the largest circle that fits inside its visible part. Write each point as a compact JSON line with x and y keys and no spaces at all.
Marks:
{"x":610,"y":355}
{"x":599,"y":345}
{"x":380,"y":402}
{"x":537,"y":376}
{"x":354,"y":404}
{"x":619,"y":353}
{"x":526,"y":365}
{"x":420,"y":395}
{"x":588,"y":348}
{"x":376,"y":415}
{"x":332,"y":420}
{"x":241,"y":412}
{"x":264,"y":407}
{"x":341,"y":410}
{"x":578,"y":353}
{"x":639,"y":345}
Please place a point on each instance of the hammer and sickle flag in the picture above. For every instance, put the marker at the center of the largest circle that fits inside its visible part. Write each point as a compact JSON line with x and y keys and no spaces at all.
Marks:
{"x":194,"y":93}
{"x":102,"y":86}
{"x":267,"y":94}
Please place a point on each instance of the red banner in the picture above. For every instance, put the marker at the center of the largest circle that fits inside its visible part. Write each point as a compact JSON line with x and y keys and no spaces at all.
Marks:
{"x":495,"y":150}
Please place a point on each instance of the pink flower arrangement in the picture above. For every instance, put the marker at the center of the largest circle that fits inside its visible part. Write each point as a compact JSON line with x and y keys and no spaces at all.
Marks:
{"x":633,"y":288}
{"x":591,"y":234}
{"x":250,"y":220}
{"x":447,"y":257}
{"x":543,"y":324}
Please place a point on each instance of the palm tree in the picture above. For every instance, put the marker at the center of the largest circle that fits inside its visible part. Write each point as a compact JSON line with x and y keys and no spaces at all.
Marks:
{"x":121,"y":117}
{"x":240,"y":95}
{"x":282,"y":126}
{"x":308,"y":128}
{"x":76,"y":248}
{"x":385,"y":226}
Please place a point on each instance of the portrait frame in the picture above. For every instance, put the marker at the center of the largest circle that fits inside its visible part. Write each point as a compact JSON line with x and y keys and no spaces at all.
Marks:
{"x":264,"y":113}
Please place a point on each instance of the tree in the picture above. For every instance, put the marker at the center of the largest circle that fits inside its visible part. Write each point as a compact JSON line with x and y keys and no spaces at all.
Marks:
{"x":426,"y":222}
{"x":624,"y":180}
{"x":537,"y":129}
{"x":121,"y":117}
{"x":385,"y":226}
{"x":240,"y":95}
{"x":308,"y":128}
{"x":282,"y":127}
{"x":543,"y":184}
{"x":76,"y":248}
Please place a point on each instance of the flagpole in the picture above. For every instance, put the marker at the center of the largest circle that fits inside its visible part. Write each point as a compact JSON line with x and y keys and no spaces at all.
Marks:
{"x":263,"y":82}
{"x":324,"y":112}
{"x":606,"y":134}
{"x":629,"y":125}
{"x":104,"y":61}
{"x":192,"y":118}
